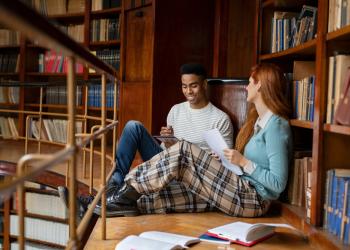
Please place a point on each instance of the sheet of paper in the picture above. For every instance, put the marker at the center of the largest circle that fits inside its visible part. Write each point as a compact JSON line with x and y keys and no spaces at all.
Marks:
{"x":217,"y":143}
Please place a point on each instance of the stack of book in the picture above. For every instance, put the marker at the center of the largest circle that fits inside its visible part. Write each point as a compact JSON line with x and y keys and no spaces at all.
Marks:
{"x":104,"y":4}
{"x":55,"y":62}
{"x":94,"y":95}
{"x":8,"y":128}
{"x":9,"y":95}
{"x":338,"y":14}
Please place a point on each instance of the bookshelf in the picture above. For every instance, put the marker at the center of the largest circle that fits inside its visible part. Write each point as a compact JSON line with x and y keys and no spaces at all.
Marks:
{"x":329,"y":141}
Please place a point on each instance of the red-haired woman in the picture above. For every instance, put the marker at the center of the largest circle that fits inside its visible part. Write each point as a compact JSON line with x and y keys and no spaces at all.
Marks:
{"x":185,"y":178}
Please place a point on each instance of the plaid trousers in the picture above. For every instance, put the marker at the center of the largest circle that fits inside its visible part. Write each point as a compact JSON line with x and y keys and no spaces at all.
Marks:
{"x":185,"y":178}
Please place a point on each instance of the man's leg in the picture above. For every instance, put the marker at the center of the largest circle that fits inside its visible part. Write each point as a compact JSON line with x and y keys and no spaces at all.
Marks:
{"x":134,"y":138}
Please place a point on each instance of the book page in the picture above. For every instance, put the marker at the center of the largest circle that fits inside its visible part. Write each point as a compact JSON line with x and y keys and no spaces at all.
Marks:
{"x":176,"y":239}
{"x":140,"y":243}
{"x":217,"y":143}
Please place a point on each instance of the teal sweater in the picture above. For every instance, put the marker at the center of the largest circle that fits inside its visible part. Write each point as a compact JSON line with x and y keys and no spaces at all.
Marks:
{"x":270,"y":150}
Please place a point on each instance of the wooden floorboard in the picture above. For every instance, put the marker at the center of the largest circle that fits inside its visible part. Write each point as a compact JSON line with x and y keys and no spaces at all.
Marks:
{"x":191,"y":224}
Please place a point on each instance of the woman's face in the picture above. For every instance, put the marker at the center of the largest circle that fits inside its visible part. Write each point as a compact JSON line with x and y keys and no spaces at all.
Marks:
{"x":253,"y":90}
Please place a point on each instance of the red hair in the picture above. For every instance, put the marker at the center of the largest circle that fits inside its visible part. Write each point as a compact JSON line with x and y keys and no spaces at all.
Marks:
{"x":273,"y":89}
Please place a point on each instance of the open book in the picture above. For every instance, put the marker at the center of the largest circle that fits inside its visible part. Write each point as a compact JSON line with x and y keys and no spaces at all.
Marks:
{"x":245,"y":233}
{"x":217,"y":143}
{"x":152,"y":240}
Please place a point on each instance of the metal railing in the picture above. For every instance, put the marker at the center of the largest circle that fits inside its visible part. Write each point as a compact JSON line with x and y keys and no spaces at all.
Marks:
{"x":16,"y":15}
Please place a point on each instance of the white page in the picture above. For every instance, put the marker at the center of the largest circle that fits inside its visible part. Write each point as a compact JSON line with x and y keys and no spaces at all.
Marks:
{"x":176,"y":239}
{"x":139,"y":243}
{"x":217,"y":143}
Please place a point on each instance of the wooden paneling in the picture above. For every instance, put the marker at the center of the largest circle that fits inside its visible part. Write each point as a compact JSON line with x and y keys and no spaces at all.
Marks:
{"x":241,"y":39}
{"x":139,"y":33}
{"x":183,"y":33}
{"x":136,"y":103}
{"x":231,"y":98}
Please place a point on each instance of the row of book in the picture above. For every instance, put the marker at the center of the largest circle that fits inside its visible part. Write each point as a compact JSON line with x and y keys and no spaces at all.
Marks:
{"x":338,"y":83}
{"x":94,"y":95}
{"x":299,"y":181}
{"x":291,"y":29}
{"x":54,"y":62}
{"x":303,"y":98}
{"x":58,"y":95}
{"x":8,"y":127}
{"x":336,"y":217}
{"x":9,"y":37}
{"x":338,"y":14}
{"x":54,"y":130}
{"x":105,"y":29}
{"x":9,"y":95}
{"x":43,"y":230}
{"x":74,"y":31}
{"x":109,"y":56}
{"x":47,"y":204}
{"x":105,"y":4}
{"x":57,"y":7}
{"x":9,"y":62}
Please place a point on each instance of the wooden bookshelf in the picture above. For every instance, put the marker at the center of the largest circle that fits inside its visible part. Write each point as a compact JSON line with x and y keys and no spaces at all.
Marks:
{"x":327,"y":139}
{"x":106,"y":13}
{"x":301,"y":124}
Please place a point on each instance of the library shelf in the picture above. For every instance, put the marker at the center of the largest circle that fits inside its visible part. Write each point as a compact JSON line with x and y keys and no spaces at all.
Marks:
{"x":68,"y":17}
{"x":105,"y":13}
{"x":58,"y":106}
{"x":301,"y":123}
{"x":339,"y":35}
{"x":339,"y":129}
{"x":43,"y":217}
{"x":99,"y":44}
{"x":40,"y":242}
{"x":305,"y":49}
{"x":8,"y":74}
{"x":46,"y":74}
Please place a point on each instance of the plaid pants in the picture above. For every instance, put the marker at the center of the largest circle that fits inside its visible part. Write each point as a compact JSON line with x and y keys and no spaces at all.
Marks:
{"x":185,"y":178}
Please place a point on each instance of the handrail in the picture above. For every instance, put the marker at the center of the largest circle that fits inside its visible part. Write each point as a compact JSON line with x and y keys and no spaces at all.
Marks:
{"x":23,"y":18}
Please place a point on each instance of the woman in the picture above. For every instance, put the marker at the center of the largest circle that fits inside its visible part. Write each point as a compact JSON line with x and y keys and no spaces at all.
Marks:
{"x":185,"y":178}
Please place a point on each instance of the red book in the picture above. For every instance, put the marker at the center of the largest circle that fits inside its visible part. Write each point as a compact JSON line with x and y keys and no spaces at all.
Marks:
{"x":246,"y":234}
{"x":342,"y":114}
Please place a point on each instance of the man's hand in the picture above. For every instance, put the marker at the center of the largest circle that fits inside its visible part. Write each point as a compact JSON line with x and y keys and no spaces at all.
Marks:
{"x":235,"y":157}
{"x":166,"y":131}
{"x":214,"y":155}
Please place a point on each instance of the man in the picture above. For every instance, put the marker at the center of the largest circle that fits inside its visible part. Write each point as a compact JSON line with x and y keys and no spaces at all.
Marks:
{"x":187,"y":120}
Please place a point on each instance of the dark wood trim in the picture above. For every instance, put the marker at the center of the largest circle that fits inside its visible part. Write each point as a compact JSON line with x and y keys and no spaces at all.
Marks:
{"x":220,"y":38}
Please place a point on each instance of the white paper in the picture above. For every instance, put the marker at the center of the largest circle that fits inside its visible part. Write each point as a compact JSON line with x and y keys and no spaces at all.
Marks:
{"x":217,"y":143}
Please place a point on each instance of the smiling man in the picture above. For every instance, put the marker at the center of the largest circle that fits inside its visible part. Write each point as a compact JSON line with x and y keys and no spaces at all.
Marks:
{"x":187,"y":121}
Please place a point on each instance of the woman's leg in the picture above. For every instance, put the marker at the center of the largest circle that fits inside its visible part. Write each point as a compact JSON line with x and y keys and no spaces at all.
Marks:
{"x":200,"y":174}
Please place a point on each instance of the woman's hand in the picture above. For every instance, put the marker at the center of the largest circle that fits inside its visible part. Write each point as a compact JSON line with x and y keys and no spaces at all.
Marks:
{"x":235,"y":157}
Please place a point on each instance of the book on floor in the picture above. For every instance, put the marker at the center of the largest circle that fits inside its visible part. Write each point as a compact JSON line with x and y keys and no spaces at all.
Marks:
{"x":207,"y":238}
{"x":245,"y":233}
{"x":151,"y":240}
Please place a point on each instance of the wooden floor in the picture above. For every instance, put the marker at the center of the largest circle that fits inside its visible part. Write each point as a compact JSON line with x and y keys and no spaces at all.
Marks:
{"x":191,"y":224}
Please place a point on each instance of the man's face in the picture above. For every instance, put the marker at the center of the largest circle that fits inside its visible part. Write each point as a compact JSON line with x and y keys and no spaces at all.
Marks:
{"x":193,"y":87}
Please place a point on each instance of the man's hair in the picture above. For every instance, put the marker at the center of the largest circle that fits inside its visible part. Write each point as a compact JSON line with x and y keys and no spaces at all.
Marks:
{"x":194,"y":68}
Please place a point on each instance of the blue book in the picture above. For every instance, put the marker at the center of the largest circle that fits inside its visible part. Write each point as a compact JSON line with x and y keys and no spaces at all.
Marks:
{"x":211,"y":239}
{"x":346,"y":233}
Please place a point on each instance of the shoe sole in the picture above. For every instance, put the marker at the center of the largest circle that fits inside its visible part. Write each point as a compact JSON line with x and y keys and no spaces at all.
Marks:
{"x":124,"y":213}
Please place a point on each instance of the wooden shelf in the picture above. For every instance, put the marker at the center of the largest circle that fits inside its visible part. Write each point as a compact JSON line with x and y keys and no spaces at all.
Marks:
{"x":69,"y":17}
{"x":99,"y":109}
{"x":10,"y":46}
{"x":105,"y":13}
{"x":46,"y":74}
{"x":103,"y":44}
{"x":39,"y":242}
{"x":305,"y":49}
{"x":339,"y":129}
{"x":58,"y":106}
{"x":301,"y":123}
{"x":339,"y":35}
{"x":9,"y":104}
{"x":8,"y":74}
